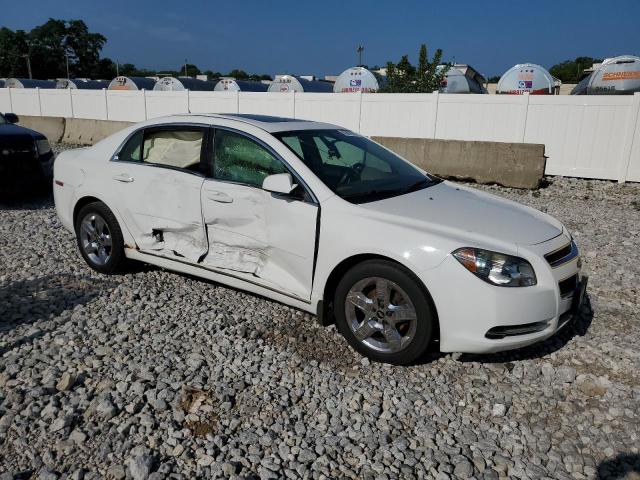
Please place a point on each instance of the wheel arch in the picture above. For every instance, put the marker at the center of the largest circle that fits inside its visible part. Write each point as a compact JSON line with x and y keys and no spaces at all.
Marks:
{"x":86,"y":200}
{"x":83,"y":201}
{"x":325,"y":309}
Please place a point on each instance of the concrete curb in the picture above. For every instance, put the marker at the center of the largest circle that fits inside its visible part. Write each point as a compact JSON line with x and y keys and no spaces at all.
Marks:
{"x":519,"y":165}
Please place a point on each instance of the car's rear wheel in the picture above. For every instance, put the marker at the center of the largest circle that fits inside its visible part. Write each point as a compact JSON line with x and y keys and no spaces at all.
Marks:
{"x":99,"y":238}
{"x":383,"y":312}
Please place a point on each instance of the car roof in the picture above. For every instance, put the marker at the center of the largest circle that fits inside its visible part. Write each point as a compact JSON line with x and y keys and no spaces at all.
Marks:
{"x":271,"y":124}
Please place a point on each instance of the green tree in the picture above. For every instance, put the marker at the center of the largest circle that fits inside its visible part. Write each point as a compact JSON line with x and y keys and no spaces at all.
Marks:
{"x":48,"y":46}
{"x":192,"y":70}
{"x":427,"y":77}
{"x":570,"y":71}
{"x":238,"y":74}
{"x":13,"y":48}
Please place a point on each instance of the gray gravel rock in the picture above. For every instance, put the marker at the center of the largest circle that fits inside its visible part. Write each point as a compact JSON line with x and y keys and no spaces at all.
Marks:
{"x":178,"y":378}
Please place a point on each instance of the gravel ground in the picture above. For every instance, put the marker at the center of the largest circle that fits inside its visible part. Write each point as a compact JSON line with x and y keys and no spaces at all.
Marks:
{"x":153,"y":374}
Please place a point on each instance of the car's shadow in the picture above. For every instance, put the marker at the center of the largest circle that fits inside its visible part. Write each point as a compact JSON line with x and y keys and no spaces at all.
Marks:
{"x":624,"y":465}
{"x":577,"y":327}
{"x":25,"y":302}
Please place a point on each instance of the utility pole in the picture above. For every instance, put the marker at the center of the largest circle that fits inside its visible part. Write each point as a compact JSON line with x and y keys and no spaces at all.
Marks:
{"x":185,"y":68}
{"x":360,"y":49}
{"x":66,"y":54}
{"x":28,"y":65}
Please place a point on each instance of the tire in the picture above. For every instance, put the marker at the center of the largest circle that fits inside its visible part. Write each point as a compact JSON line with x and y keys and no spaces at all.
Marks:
{"x":99,"y":238}
{"x":394,"y":327}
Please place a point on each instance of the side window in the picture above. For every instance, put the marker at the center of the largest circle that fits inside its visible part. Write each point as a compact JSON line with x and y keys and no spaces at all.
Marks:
{"x":174,"y":148}
{"x":131,"y":150}
{"x":240,"y":159}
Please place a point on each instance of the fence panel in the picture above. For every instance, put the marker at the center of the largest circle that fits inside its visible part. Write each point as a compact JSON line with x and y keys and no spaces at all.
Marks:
{"x":342,"y":109}
{"x":584,"y":136}
{"x":632,"y":171}
{"x":5,"y":101}
{"x":25,"y":101}
{"x":56,"y":103}
{"x":267,"y":103}
{"x":492,"y":118}
{"x":410,"y":115}
{"x":213,"y":102}
{"x":161,"y":103}
{"x":128,"y":106}
{"x":90,"y":104}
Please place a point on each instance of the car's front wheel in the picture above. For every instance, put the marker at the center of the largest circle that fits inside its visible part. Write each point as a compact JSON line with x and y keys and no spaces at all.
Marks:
{"x":384,"y":313}
{"x":99,"y":238}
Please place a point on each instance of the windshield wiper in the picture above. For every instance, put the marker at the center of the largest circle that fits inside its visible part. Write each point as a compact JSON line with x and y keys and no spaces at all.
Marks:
{"x":422,"y":183}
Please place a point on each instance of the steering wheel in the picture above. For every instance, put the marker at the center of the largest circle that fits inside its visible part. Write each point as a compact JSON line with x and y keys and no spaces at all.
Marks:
{"x":352,"y":173}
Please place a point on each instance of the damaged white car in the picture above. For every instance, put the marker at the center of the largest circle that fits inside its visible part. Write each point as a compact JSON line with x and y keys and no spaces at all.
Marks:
{"x":323,"y":219}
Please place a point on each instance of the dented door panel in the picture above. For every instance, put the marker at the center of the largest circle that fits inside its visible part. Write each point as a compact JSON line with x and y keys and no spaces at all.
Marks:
{"x":257,"y":236}
{"x":162,"y":209}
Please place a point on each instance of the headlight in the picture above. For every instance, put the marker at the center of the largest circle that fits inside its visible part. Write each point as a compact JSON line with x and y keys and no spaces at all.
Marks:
{"x":42,"y":146}
{"x":497,"y":268}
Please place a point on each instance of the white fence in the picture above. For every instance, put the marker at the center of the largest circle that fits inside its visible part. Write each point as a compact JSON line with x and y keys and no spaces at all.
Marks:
{"x":585,"y":136}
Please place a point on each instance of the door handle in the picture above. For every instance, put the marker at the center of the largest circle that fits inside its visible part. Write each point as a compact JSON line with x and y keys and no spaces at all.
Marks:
{"x":123,"y":177}
{"x":219,"y":197}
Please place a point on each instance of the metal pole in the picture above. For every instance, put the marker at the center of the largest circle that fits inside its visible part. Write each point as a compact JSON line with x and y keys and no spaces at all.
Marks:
{"x":185,"y":68}
{"x":28,"y":66}
{"x":117,"y":68}
{"x":67,"y":57}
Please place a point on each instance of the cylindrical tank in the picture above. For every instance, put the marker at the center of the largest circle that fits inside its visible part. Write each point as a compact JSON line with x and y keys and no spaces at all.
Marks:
{"x":81,"y":83}
{"x":615,"y":76}
{"x":233,"y":85}
{"x":291,"y":83}
{"x":29,"y":83}
{"x":526,"y":78}
{"x":357,"y":79}
{"x":132,"y":83}
{"x":183,"y":83}
{"x":462,"y":79}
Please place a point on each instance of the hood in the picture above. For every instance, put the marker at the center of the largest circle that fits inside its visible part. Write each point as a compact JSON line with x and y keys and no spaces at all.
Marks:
{"x":11,"y":130}
{"x":470,"y":211}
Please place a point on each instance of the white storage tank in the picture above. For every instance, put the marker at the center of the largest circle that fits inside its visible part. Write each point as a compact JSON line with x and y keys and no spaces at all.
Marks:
{"x":173,"y":84}
{"x":615,"y":76}
{"x":358,"y":79}
{"x":526,"y":78}
{"x":293,"y":83}
{"x":29,"y":83}
{"x":132,"y":83}
{"x":461,"y":78}
{"x":81,"y":83}
{"x":233,"y":85}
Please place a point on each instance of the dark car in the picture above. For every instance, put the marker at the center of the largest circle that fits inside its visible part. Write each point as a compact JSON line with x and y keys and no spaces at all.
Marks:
{"x":26,"y":159}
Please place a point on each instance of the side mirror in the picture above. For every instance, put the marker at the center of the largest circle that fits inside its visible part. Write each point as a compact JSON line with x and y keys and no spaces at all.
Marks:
{"x":11,"y":117}
{"x":279,"y":183}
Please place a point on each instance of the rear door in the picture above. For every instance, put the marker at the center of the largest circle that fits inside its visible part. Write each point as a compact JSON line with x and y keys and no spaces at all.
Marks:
{"x":158,"y":175}
{"x":253,"y":234}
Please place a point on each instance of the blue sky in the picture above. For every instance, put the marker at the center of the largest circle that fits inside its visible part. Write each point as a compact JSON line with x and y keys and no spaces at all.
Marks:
{"x":320,"y":37}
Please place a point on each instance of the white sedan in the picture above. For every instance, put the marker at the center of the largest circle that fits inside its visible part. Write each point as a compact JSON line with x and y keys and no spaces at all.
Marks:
{"x":320,"y":218}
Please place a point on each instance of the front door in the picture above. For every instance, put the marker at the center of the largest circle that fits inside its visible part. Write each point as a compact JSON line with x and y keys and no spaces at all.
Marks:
{"x":256,"y":235}
{"x":158,"y":176}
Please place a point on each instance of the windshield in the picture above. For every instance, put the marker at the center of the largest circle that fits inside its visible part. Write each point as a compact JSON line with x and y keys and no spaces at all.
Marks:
{"x":354,"y":167}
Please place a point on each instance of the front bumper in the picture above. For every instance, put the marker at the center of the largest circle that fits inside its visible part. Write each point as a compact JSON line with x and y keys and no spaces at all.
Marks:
{"x":476,"y":317}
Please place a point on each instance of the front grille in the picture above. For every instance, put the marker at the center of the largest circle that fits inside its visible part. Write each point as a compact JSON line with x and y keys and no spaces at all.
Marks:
{"x":559,"y":256}
{"x":568,"y":286}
